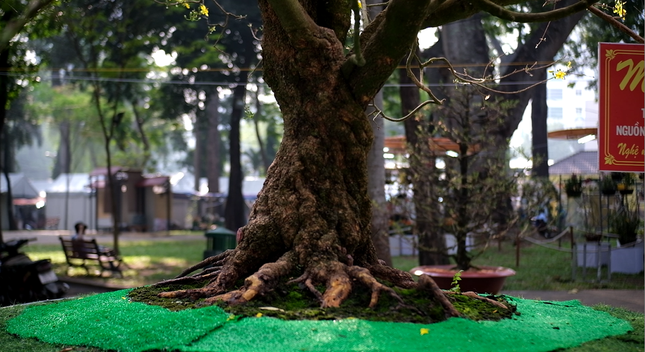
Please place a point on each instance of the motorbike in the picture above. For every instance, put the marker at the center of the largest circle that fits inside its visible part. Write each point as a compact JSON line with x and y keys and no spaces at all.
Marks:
{"x":23,"y":280}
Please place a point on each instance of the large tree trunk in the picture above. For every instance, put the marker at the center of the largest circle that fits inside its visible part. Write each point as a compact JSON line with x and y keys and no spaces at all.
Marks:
{"x":313,"y":212}
{"x":539,"y":142}
{"x":234,"y":212}
{"x":213,"y":155}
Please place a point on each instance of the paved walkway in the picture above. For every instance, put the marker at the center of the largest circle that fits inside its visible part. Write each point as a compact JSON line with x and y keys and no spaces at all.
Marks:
{"x":51,"y":236}
{"x":628,"y":299}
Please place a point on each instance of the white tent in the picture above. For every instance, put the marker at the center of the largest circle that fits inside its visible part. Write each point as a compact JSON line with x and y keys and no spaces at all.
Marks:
{"x":69,"y":198}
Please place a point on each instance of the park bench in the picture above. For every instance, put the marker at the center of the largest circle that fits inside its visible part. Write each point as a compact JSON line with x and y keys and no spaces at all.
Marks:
{"x":80,"y":252}
{"x":51,"y":223}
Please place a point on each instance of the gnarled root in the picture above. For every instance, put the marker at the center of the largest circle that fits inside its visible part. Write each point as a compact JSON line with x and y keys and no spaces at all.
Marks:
{"x":207,"y":274}
{"x":214,"y":260}
{"x":426,"y":283}
{"x":259,"y":283}
{"x":397,"y":277}
{"x":363,"y":275}
{"x":474,"y":295}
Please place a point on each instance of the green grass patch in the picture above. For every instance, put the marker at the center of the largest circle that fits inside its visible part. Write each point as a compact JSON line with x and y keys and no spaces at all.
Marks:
{"x":541,"y":269}
{"x":148,"y":261}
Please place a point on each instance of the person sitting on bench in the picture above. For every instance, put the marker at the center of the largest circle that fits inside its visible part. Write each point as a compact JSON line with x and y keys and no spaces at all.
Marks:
{"x":79,"y":234}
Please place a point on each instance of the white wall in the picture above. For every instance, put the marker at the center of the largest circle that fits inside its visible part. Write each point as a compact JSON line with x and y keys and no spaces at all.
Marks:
{"x":80,"y":208}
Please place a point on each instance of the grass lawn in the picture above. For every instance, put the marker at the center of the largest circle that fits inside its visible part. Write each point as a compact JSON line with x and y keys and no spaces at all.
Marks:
{"x":540,"y":268}
{"x":148,"y":261}
{"x":153,"y":260}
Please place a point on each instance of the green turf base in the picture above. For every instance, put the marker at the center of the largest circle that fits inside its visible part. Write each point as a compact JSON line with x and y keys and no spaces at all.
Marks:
{"x":110,"y":321}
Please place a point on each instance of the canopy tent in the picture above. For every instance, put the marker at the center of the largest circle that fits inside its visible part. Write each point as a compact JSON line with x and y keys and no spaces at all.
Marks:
{"x":581,"y":163}
{"x":439,"y":145}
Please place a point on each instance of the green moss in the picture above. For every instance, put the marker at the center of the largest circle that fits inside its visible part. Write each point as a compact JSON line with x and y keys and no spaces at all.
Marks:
{"x":291,"y":302}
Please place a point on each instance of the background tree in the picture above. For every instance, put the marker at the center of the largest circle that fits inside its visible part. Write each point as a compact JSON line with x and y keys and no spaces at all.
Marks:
{"x":312,"y":218}
{"x":15,"y":15}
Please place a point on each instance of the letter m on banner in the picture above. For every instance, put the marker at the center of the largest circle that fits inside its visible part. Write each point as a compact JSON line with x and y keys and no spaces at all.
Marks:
{"x":621,"y":129}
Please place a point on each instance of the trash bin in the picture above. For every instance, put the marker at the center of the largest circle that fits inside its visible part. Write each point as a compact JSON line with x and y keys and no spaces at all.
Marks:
{"x":218,"y":240}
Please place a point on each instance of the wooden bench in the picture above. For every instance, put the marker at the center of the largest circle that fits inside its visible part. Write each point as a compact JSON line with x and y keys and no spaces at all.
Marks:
{"x":79,"y":252}
{"x":51,"y":223}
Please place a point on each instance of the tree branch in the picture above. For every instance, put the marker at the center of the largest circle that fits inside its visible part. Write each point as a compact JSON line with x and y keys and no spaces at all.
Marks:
{"x":612,"y":21}
{"x":505,"y":14}
{"x":295,"y":21}
{"x":14,"y":27}
{"x":390,"y":37}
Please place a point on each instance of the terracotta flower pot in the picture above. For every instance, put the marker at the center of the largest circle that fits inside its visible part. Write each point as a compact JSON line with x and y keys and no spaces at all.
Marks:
{"x":486,"y":279}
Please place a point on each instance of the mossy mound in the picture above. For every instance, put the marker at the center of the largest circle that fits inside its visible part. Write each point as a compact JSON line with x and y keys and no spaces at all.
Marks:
{"x":291,"y":302}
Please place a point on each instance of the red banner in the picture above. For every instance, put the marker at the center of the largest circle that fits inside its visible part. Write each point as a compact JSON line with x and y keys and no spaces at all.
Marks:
{"x":621,"y":129}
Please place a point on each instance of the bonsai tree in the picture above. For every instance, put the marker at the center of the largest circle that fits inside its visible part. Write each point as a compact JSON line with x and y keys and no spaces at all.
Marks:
{"x":573,"y":186}
{"x":311,"y":220}
{"x":475,"y":183}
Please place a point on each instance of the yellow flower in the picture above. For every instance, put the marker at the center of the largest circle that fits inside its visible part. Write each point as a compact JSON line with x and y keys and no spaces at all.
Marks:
{"x":424,"y":331}
{"x":619,"y":10}
{"x":187,"y":5}
{"x":559,"y":74}
{"x":203,"y":10}
{"x":360,"y":6}
{"x":259,"y":315}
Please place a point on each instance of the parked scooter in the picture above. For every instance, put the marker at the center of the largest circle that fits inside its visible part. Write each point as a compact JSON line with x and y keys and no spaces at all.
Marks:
{"x":23,"y":280}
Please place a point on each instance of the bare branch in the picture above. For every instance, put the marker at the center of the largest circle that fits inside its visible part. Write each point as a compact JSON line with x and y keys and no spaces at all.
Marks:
{"x":612,"y":21}
{"x":505,"y":14}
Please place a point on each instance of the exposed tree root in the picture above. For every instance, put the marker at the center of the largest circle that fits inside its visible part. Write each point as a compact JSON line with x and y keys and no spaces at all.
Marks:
{"x":396,"y":277}
{"x":427,"y":284}
{"x":259,"y":283}
{"x":474,"y":295}
{"x":363,"y":275}
{"x":214,"y":260}
{"x":207,"y":274}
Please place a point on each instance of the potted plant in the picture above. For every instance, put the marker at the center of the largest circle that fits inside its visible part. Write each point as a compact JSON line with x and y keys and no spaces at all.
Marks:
{"x":628,"y":258}
{"x":626,"y":185}
{"x":475,"y":184}
{"x":573,"y":186}
{"x":625,"y":223}
{"x":607,"y":185}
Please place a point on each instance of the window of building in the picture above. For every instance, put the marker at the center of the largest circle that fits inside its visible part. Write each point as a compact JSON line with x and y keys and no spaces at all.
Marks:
{"x":555,"y":113}
{"x":578,"y":92}
{"x":554,"y":94}
{"x":578,"y":111}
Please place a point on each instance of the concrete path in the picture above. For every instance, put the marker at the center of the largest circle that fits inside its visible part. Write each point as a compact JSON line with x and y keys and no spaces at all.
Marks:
{"x":51,"y":236}
{"x":628,"y":299}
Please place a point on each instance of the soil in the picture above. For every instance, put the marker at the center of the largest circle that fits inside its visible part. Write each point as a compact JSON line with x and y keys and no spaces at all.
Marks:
{"x":291,"y":302}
